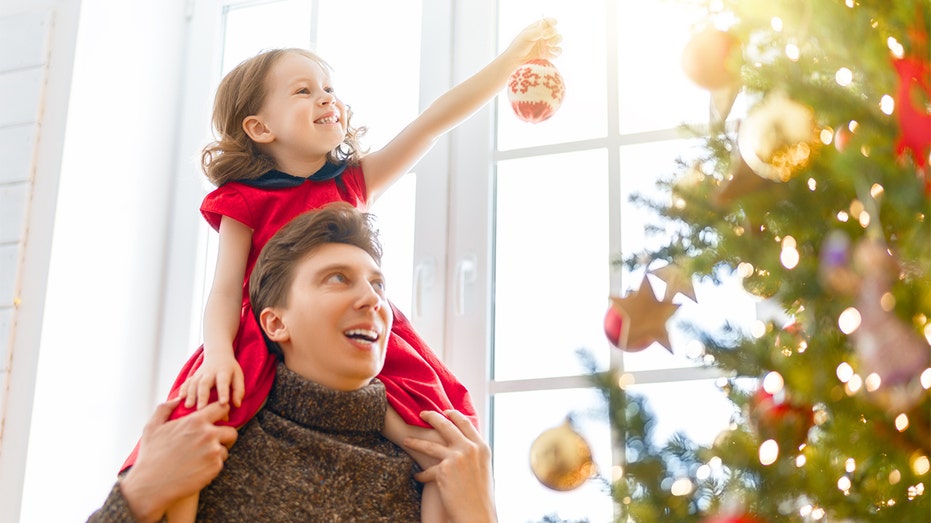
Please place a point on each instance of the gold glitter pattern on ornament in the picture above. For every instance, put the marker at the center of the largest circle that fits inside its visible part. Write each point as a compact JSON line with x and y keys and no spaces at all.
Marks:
{"x":561,"y":459}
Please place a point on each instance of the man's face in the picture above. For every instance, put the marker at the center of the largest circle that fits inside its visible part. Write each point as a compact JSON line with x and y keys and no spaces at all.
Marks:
{"x":336,"y":325}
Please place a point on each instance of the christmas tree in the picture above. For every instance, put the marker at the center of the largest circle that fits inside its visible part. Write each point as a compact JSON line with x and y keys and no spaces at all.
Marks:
{"x":818,"y":196}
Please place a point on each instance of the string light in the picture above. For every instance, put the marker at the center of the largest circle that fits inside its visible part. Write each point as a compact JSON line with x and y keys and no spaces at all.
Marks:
{"x":850,"y":465}
{"x":849,"y":320}
{"x":921,"y":465}
{"x":897,"y":49}
{"x":789,"y":255}
{"x":773,"y":383}
{"x":901,"y":422}
{"x":887,"y":104}
{"x":854,"y":384}
{"x":895,"y":477}
{"x":844,"y":372}
{"x":872,"y":382}
{"x":843,"y":77}
{"x":681,"y":487}
{"x":843,"y":484}
{"x":769,"y":452}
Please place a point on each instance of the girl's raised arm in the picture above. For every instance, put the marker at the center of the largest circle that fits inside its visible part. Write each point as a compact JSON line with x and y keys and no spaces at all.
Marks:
{"x":383,"y":167}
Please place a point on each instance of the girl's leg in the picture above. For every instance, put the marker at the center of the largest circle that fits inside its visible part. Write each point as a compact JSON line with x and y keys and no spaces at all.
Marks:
{"x":431,"y":506}
{"x":185,"y":510}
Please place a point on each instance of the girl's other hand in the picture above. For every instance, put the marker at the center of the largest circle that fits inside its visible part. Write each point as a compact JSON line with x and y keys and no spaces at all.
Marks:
{"x":220,"y":371}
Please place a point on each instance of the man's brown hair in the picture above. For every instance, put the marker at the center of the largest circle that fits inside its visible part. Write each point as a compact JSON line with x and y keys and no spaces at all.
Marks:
{"x":337,"y":222}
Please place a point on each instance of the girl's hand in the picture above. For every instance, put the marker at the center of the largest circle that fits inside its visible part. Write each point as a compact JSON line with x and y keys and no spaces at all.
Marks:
{"x":538,"y":40}
{"x":217,"y":370}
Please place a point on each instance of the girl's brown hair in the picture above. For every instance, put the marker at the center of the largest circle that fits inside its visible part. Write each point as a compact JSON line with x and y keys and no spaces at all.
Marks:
{"x":234,"y":156}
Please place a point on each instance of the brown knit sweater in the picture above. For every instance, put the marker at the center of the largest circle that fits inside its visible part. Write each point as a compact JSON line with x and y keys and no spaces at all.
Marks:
{"x":310,"y":454}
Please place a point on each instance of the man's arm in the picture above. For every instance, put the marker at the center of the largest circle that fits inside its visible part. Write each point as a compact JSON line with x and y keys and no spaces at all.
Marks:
{"x":176,"y":459}
{"x":463,"y":474}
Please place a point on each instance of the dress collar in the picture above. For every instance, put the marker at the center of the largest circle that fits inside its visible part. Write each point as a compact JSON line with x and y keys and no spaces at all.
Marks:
{"x":315,"y":406}
{"x":275,"y":179}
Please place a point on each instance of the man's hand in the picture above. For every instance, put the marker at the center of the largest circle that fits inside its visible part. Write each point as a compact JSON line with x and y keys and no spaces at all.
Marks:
{"x":463,"y":474}
{"x":176,"y":458}
{"x":220,"y":370}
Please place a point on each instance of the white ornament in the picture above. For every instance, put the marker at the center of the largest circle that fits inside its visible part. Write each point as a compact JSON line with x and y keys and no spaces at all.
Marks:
{"x":535,"y":90}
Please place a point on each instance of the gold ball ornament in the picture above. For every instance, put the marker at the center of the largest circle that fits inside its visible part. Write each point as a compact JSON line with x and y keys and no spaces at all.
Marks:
{"x":536,"y":90}
{"x":778,"y":138}
{"x":561,"y":459}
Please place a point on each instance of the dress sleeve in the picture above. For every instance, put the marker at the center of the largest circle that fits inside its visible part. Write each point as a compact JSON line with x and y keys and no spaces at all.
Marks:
{"x":354,"y":180}
{"x":227,"y":200}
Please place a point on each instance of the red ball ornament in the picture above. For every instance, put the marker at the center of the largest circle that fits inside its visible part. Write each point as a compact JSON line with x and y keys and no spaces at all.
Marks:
{"x":708,"y":59}
{"x":535,"y":90}
{"x":615,"y":325}
{"x":842,"y":138}
{"x":773,"y":417}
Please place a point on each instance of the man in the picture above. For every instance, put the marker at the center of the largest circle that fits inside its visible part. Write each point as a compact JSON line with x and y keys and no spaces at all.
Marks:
{"x":314,"y":452}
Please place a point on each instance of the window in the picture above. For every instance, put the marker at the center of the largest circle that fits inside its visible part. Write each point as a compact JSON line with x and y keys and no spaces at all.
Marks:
{"x":543,"y":226}
{"x":384,"y":107}
{"x":505,"y":236}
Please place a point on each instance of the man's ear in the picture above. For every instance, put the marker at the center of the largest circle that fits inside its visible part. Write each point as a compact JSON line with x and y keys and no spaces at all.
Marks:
{"x":256,"y":129}
{"x":273,"y":325}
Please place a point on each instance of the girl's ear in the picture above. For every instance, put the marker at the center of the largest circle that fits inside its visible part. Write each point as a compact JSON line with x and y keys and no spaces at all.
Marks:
{"x":273,"y":325}
{"x":257,"y":130}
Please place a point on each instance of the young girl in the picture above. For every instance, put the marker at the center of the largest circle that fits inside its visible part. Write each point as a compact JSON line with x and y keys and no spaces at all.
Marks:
{"x":285,"y":146}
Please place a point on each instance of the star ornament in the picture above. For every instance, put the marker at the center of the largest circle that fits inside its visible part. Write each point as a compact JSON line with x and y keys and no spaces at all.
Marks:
{"x":677,"y":282}
{"x":647,"y":318}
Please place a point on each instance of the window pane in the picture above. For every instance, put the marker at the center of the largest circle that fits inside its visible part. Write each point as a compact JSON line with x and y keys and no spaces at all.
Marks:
{"x":518,"y":419}
{"x":376,"y":63}
{"x":698,"y":409}
{"x":641,"y":166}
{"x":395,"y":221}
{"x":551,"y":264}
{"x":653,"y":92}
{"x":252,"y":28}
{"x":383,"y":106}
{"x":582,"y":65}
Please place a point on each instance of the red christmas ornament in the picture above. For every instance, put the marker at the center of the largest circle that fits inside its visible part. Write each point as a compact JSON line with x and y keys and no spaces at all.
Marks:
{"x":615,"y":325}
{"x":708,"y":59}
{"x":773,"y":417}
{"x":842,"y":138}
{"x":535,"y":90}
{"x":913,"y":93}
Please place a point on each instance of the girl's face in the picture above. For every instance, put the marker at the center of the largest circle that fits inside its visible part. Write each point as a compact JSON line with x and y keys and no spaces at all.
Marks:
{"x":301,"y":112}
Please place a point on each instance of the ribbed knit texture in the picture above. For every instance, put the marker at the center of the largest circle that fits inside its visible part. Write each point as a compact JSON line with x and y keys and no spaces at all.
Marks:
{"x":310,"y":454}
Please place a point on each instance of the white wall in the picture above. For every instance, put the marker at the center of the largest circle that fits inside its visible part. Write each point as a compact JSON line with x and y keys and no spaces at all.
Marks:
{"x":37,"y":40}
{"x":112,"y":136}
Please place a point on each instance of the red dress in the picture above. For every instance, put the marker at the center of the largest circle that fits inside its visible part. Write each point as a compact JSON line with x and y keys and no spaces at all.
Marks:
{"x":415,"y":379}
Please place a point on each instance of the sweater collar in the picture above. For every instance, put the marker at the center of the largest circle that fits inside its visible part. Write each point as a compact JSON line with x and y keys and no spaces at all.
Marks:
{"x":275,"y":179}
{"x":314,"y":406}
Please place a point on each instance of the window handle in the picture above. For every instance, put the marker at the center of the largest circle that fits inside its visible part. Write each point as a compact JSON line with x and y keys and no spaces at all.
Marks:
{"x":465,"y":273}
{"x":424,"y":275}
